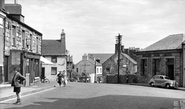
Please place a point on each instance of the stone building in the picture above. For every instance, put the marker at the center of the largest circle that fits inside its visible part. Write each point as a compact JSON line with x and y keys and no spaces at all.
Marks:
{"x":91,"y":65}
{"x":20,"y":43}
{"x":165,"y":57}
{"x":110,"y":66}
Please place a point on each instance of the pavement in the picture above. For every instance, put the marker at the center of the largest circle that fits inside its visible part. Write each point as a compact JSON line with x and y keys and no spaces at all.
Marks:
{"x":6,"y":91}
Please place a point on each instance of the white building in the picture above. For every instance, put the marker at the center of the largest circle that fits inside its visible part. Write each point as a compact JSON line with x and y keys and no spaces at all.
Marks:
{"x":54,"y":51}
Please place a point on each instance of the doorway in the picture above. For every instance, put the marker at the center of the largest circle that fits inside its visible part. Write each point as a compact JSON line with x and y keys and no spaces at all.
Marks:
{"x":6,"y":68}
{"x":43,"y":73}
{"x":170,"y":68}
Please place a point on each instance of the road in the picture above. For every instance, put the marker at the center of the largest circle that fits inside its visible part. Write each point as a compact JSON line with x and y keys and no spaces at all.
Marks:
{"x":99,"y":96}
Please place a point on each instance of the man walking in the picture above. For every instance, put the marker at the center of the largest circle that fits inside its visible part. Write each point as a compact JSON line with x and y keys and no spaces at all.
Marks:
{"x":17,"y":82}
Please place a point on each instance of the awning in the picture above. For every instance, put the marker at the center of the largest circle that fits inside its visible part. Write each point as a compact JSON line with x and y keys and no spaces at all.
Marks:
{"x":44,"y":60}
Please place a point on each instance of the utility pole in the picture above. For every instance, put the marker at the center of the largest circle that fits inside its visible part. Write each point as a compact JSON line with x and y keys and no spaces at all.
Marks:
{"x":118,"y":42}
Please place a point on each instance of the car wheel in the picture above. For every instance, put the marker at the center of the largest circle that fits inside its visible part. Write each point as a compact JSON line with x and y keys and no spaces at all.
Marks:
{"x":167,"y":86}
{"x":152,"y":84}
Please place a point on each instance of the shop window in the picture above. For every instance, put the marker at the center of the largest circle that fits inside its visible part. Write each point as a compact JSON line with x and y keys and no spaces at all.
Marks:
{"x":53,"y":70}
{"x":54,"y":59}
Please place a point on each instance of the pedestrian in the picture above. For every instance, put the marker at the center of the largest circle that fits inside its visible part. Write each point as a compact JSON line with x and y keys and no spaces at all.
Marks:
{"x":17,"y":82}
{"x":59,"y":78}
{"x":64,"y":78}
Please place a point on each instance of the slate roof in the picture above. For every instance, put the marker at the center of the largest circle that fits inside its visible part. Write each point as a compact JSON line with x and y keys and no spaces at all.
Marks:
{"x":129,"y":58}
{"x":169,"y":42}
{"x":53,"y":47}
{"x":102,"y":56}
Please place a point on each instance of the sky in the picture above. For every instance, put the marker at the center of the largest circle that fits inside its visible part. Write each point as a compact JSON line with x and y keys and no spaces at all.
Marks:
{"x":91,"y":26}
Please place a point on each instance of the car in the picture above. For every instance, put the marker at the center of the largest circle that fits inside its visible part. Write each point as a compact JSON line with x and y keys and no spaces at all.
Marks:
{"x":163,"y":81}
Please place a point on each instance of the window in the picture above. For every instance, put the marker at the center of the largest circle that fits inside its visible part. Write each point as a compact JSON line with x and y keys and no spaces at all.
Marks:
{"x":143,"y":66}
{"x":13,"y":35}
{"x":76,"y":69}
{"x":31,"y":41}
{"x":54,"y":59}
{"x":53,"y":70}
{"x":23,"y":39}
{"x":37,"y":45}
{"x":97,"y":70}
{"x":100,"y":70}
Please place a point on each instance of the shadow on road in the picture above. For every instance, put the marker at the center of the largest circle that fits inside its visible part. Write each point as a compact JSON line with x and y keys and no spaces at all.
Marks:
{"x":104,"y":102}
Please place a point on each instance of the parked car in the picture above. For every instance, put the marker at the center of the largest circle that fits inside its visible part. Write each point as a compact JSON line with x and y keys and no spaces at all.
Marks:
{"x":163,"y":81}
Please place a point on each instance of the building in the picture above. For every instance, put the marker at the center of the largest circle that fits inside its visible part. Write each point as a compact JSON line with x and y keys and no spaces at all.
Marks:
{"x":165,"y":57}
{"x":70,"y":67}
{"x":20,"y":45}
{"x":99,"y":58}
{"x":54,"y":51}
{"x":110,"y":66}
{"x":91,"y":66}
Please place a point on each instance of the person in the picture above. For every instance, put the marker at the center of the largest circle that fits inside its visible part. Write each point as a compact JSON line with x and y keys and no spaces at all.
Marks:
{"x":64,"y":79}
{"x":59,"y":78}
{"x":17,"y":82}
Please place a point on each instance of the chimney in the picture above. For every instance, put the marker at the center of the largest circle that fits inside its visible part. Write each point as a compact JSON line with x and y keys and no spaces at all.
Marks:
{"x":63,"y":40}
{"x":2,"y":5}
{"x":85,"y":57}
{"x":15,"y":10}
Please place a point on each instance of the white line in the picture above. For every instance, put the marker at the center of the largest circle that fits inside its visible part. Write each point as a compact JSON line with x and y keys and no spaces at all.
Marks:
{"x":27,"y":95}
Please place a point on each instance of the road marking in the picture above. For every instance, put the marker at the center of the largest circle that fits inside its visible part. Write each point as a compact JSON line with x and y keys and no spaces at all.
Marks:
{"x":27,"y":95}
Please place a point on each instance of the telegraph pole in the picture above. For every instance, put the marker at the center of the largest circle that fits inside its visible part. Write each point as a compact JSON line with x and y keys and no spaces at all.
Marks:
{"x":118,"y":42}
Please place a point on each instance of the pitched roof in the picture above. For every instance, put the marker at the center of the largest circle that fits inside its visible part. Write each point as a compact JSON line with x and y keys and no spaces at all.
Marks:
{"x":102,"y":56}
{"x":129,"y":58}
{"x":53,"y":47}
{"x":169,"y":42}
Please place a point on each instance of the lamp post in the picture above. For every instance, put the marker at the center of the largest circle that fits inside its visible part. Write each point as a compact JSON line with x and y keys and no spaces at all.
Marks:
{"x":118,"y":42}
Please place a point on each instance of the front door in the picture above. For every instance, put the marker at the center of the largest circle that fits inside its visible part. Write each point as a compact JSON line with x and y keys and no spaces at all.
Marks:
{"x":171,"y":71}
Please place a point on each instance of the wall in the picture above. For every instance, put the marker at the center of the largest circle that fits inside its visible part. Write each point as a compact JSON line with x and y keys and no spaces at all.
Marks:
{"x":1,"y":48}
{"x":162,"y":56}
{"x":110,"y":66}
{"x":61,"y":65}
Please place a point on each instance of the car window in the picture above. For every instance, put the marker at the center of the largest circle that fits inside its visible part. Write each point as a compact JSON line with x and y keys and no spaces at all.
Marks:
{"x":156,"y":77}
{"x":167,"y":77}
{"x":161,"y":77}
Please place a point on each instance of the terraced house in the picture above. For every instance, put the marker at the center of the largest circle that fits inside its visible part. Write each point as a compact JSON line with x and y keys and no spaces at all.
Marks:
{"x":20,"y":44}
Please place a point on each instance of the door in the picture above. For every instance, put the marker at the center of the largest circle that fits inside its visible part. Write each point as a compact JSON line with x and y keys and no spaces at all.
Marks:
{"x":6,"y":68}
{"x":43,"y":73}
{"x":171,"y":71}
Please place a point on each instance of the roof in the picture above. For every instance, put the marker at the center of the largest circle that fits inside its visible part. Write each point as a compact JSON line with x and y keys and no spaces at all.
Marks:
{"x":53,"y":47}
{"x":169,"y":42}
{"x":129,"y":58}
{"x":102,"y":56}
